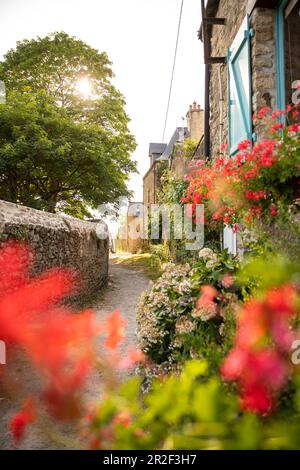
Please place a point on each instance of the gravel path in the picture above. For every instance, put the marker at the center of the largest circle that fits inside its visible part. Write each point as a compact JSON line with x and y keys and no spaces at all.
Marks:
{"x":122,"y":293}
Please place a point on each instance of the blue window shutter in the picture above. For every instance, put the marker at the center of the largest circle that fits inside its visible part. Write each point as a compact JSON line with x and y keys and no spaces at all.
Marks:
{"x":280,"y":65}
{"x":239,"y":88}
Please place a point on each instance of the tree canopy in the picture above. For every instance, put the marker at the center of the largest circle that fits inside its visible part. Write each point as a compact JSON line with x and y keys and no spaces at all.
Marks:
{"x":61,"y":149}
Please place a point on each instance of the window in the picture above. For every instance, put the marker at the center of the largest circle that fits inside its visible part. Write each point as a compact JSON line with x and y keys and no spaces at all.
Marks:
{"x":288,"y":50}
{"x":292,"y":47}
{"x":239,"y":88}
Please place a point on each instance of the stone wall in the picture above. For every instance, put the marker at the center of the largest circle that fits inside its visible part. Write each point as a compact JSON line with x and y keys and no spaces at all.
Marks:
{"x":263,"y":62}
{"x":59,"y":241}
{"x":263,"y":59}
{"x":180,"y":166}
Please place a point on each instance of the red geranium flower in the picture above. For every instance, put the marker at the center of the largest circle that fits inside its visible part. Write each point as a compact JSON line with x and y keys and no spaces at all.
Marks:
{"x":259,"y":361}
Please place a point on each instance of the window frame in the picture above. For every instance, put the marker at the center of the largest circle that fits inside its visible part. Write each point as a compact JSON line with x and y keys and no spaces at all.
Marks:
{"x":280,"y":55}
{"x":242,"y":38}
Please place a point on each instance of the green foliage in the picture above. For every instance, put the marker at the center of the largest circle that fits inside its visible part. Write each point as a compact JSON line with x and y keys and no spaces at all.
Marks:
{"x":172,"y":188}
{"x":185,"y":149}
{"x":211,"y":267}
{"x":60,"y":150}
{"x":267,"y":271}
{"x":161,"y":252}
{"x":146,"y":263}
{"x":189,"y":411}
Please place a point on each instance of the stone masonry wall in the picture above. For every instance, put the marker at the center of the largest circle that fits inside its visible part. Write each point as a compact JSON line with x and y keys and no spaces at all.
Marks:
{"x":59,"y":241}
{"x":263,"y":62}
{"x":180,"y":166}
{"x":263,"y":59}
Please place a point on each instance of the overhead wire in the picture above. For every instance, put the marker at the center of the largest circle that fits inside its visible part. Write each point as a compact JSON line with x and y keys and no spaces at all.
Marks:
{"x":173,"y":71}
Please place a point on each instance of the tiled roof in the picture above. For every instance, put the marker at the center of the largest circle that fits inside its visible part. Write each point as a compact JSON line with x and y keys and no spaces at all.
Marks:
{"x":155,"y":148}
{"x":175,"y":138}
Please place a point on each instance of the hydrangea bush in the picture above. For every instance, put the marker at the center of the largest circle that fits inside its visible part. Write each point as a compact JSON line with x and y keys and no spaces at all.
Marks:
{"x":183,"y":309}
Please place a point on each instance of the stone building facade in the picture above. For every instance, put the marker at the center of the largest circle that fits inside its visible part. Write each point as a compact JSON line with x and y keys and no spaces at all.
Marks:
{"x":59,"y":241}
{"x":253,"y":61}
{"x":263,"y":62}
{"x":162,"y":155}
{"x":130,"y":234}
{"x":151,"y":183}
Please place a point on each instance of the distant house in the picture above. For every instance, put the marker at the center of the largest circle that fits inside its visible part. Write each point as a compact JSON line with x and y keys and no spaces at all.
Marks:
{"x":130,"y":232}
{"x":161,"y":155}
{"x":252,"y":60}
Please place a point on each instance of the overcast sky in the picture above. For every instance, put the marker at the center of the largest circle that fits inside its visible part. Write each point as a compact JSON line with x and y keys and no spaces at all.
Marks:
{"x":139,"y":37}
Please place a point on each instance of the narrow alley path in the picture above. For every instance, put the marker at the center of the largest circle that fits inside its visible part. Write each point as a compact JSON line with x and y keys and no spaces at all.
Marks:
{"x":123,"y":292}
{"x":124,"y":289}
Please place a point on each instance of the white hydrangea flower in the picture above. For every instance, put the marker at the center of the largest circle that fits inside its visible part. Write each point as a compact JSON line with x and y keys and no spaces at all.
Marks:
{"x":206,"y":253}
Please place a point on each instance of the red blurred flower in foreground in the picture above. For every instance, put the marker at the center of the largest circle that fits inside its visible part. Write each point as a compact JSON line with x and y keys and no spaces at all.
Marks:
{"x":260,"y":361}
{"x":133,"y":357}
{"x":57,"y":342}
{"x":114,"y":326}
{"x":21,"y":420}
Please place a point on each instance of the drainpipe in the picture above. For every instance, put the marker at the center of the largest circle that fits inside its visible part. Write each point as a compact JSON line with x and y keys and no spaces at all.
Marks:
{"x":154,"y":183}
{"x":207,"y":32}
{"x":207,"y":112}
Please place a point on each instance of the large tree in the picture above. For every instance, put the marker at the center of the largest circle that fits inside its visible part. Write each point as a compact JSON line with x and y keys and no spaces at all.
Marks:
{"x":64,"y":138}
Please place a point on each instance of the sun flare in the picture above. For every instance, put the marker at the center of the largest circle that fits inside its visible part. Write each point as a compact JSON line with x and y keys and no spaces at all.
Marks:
{"x":84,"y":87}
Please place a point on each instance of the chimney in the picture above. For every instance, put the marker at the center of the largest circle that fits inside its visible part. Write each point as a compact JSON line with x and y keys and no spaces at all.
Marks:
{"x":195,"y":121}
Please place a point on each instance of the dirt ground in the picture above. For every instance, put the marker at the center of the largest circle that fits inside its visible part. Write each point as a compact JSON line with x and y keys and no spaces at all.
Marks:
{"x":122,"y":293}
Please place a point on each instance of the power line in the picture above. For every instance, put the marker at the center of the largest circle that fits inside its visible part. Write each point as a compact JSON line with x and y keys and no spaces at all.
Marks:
{"x":173,"y":70}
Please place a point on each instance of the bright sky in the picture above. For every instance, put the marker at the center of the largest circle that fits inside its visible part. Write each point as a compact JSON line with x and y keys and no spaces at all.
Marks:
{"x":139,"y":37}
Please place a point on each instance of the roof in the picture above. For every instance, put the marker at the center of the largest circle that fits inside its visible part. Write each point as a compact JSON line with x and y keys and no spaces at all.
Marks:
{"x":155,"y":148}
{"x":174,"y":140}
{"x":167,"y":149}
